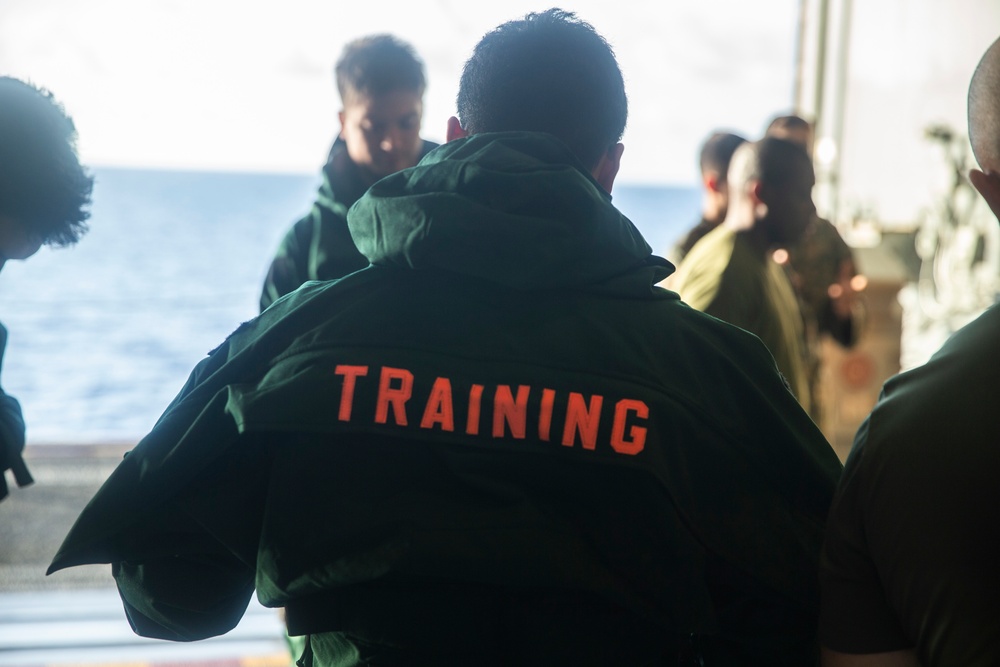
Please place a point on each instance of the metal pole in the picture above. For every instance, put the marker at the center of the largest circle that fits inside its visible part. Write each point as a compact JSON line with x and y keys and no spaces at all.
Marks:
{"x":818,"y":99}
{"x":840,"y":99}
{"x":800,"y":57}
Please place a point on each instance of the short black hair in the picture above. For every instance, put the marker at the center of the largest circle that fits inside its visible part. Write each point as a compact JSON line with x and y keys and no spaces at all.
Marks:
{"x":548,"y":72}
{"x":378,"y":64}
{"x":771,"y":160}
{"x":788,"y":122}
{"x":717,"y":151}
{"x":42,"y":184}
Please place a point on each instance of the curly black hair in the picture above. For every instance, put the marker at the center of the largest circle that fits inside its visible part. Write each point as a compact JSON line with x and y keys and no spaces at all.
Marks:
{"x":42,"y":184}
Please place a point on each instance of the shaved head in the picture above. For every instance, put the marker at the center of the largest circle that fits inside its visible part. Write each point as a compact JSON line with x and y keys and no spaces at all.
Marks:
{"x":771,"y":160}
{"x":984,"y":110}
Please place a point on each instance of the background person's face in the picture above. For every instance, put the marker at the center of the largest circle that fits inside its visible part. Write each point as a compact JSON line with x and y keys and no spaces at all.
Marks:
{"x":16,"y":241}
{"x":790,"y":207}
{"x":382,"y":133}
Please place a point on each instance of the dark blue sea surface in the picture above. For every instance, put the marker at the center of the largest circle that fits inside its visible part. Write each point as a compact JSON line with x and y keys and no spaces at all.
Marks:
{"x":104,"y":334}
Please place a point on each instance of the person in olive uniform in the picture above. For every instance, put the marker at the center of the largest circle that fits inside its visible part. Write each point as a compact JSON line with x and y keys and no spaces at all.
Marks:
{"x":730,"y":273}
{"x":909,"y":570}
{"x":822,"y":269}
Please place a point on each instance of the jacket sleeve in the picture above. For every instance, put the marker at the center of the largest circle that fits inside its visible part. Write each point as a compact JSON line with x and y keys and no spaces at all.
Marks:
{"x":178,"y":581}
{"x":179,"y":518}
{"x":11,"y":435}
{"x":290,"y":266}
{"x":186,"y":571}
{"x":183,"y":598}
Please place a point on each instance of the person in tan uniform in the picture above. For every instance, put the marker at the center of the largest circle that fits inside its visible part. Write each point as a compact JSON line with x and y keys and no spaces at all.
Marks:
{"x":730,"y":272}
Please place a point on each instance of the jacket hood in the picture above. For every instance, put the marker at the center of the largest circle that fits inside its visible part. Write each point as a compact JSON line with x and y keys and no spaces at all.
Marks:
{"x":515,"y":208}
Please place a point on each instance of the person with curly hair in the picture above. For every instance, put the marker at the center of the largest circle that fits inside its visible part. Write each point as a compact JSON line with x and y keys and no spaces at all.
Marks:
{"x":44,"y":195}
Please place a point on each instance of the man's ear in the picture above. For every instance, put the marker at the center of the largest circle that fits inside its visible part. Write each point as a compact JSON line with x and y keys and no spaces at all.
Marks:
{"x":988,"y":185}
{"x":455,"y":130}
{"x":758,"y":197}
{"x":607,"y":169}
{"x":340,"y":117}
{"x":710,"y":180}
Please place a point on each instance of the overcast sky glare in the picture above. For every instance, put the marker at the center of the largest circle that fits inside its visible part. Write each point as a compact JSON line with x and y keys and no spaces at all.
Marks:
{"x":247,"y":85}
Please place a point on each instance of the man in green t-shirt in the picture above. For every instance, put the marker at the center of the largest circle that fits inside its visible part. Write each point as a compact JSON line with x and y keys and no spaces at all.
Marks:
{"x":909,"y":570}
{"x":730,"y":272}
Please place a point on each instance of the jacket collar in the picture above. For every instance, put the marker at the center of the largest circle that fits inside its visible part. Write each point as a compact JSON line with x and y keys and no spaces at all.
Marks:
{"x":516,"y":208}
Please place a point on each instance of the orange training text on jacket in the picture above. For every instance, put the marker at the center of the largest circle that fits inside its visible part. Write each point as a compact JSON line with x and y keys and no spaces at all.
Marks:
{"x":578,"y":422}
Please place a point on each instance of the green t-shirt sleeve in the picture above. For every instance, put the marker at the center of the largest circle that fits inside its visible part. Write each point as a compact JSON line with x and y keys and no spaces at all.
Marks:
{"x":855,"y":616}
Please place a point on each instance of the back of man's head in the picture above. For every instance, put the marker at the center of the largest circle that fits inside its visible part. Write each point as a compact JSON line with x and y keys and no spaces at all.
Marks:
{"x":716,"y":153}
{"x":771,"y":183}
{"x":984,"y":110}
{"x":42,"y":184}
{"x":376,"y":65}
{"x":548,"y":72}
{"x":793,"y":128}
{"x":780,"y":125}
{"x":773,"y":161}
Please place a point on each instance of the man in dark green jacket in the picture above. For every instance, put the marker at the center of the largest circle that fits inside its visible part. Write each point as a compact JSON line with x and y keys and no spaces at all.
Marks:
{"x":381,"y":84}
{"x":500,"y":444}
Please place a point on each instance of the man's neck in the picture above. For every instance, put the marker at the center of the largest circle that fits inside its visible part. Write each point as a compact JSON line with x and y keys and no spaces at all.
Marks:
{"x":752,"y":232}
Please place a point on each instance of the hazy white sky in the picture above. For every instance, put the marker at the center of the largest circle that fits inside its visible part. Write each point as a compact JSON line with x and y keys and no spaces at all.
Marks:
{"x":248,"y":85}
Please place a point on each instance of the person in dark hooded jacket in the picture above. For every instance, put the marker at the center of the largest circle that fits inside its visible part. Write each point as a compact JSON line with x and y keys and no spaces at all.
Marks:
{"x":381,"y":83}
{"x":500,"y":443}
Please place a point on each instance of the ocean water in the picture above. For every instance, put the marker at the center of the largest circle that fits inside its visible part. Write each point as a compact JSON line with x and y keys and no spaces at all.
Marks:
{"x":104,"y":334}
